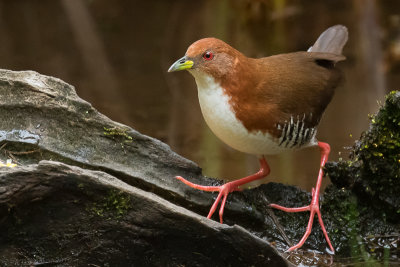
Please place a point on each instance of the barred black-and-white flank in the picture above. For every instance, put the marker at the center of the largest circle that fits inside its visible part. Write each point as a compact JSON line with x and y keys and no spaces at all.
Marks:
{"x":295,"y":132}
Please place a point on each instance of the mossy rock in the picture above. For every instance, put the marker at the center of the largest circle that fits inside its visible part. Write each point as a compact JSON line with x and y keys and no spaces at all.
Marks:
{"x":373,"y":170}
{"x":363,"y":202}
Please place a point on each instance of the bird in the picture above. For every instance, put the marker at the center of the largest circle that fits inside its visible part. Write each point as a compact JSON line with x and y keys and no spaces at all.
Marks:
{"x":266,"y":106}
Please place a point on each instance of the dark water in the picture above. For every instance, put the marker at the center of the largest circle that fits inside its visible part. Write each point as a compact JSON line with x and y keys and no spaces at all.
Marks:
{"x":116,"y":54}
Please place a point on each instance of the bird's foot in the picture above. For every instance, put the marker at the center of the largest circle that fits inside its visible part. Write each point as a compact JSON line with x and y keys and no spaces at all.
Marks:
{"x":223,"y":190}
{"x":314,"y":209}
{"x":227,"y":188}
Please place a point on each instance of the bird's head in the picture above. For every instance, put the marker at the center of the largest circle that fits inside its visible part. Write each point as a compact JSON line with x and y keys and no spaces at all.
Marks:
{"x":209,"y":56}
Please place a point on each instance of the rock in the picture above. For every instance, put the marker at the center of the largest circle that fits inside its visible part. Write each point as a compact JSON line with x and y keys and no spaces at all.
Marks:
{"x":373,"y":171}
{"x":42,"y":112}
{"x":53,"y":213}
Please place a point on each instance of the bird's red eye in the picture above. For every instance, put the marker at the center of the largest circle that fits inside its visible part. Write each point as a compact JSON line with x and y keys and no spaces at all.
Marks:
{"x":208,"y":55}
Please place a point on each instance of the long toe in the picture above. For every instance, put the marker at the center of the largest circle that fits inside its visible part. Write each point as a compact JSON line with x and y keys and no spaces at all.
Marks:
{"x":197,"y":186}
{"x":299,"y":209}
{"x":214,"y":206}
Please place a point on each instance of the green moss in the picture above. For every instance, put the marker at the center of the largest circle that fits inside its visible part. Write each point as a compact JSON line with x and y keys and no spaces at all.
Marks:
{"x":344,"y":215}
{"x":118,"y":133}
{"x":113,"y":206}
{"x":379,"y":151}
{"x":373,"y":170}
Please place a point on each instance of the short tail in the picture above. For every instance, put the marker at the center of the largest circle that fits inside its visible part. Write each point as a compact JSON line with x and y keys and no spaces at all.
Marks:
{"x":332,"y":40}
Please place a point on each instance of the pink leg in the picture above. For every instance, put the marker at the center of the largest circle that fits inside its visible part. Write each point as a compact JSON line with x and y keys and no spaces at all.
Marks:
{"x":227,"y":188}
{"x":314,"y":205}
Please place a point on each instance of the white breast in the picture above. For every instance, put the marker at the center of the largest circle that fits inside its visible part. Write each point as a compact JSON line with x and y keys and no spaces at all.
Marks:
{"x":221,"y":118}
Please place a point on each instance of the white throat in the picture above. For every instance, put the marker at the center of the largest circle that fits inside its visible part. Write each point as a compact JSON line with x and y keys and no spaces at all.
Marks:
{"x":214,"y":104}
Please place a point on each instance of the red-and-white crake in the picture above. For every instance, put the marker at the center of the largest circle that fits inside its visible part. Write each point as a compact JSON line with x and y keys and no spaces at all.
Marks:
{"x":266,"y":106}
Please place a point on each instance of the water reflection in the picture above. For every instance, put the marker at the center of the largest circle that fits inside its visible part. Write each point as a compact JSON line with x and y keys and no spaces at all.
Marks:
{"x":116,"y":53}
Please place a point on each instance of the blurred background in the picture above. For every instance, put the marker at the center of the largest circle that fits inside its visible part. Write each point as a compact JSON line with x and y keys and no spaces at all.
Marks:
{"x":116,"y":53}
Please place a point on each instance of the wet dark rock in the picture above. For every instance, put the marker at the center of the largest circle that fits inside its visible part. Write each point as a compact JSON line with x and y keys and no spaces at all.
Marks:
{"x":88,"y":189}
{"x":57,"y":214}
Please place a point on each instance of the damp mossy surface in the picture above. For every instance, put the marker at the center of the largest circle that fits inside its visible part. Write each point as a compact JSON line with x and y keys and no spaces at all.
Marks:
{"x":373,"y":170}
{"x":363,"y":203}
{"x":114,"y":205}
{"x":117,"y":132}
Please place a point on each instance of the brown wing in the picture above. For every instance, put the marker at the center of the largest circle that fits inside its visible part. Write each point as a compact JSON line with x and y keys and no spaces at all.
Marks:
{"x":287,"y":86}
